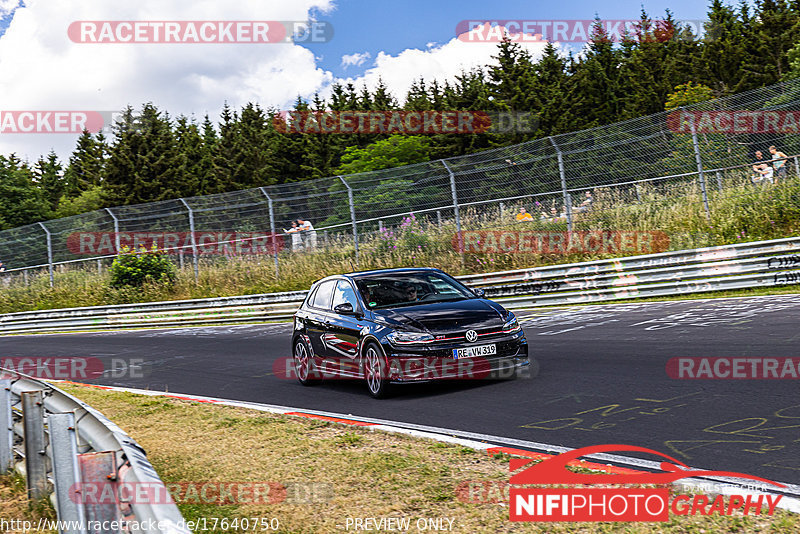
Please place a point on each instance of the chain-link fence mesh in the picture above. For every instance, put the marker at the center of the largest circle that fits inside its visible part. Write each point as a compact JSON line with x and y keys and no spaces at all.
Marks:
{"x":699,"y":154}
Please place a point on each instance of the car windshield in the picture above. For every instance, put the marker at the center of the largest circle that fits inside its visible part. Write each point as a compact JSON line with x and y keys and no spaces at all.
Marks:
{"x":392,"y":290}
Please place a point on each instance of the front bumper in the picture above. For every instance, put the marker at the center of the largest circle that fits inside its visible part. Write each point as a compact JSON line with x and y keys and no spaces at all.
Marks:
{"x":436,"y":362}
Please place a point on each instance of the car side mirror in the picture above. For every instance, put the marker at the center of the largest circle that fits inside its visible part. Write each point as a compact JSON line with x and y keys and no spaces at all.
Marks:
{"x":344,"y":309}
{"x":480,"y":293}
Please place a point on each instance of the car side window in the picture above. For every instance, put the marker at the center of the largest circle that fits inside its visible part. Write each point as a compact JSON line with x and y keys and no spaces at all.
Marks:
{"x":322,"y":298}
{"x":345,"y":294}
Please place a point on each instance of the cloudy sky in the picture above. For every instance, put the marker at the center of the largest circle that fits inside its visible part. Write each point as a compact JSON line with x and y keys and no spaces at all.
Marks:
{"x":43,"y":68}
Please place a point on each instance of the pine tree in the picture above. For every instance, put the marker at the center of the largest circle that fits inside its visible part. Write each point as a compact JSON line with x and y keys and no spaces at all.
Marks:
{"x":86,"y":164}
{"x":143,"y":161}
{"x":596,"y":94}
{"x":723,"y":50}
{"x":49,"y":176}
{"x":21,"y":201}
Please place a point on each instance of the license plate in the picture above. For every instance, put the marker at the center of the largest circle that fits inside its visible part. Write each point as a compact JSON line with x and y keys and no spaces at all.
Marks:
{"x":477,"y":350}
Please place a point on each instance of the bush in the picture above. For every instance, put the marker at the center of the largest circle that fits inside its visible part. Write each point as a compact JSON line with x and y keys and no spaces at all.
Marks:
{"x":134,"y":269}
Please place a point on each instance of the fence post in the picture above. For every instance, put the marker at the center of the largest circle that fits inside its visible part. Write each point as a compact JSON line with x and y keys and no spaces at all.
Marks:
{"x":66,"y":472}
{"x":455,"y":210}
{"x":797,"y":166}
{"x":35,"y":454}
{"x":6,"y":428}
{"x":439,"y":218}
{"x":719,"y":181}
{"x":352,"y":214}
{"x":272,"y":229}
{"x":564,"y":192}
{"x":194,"y":241}
{"x":700,"y":174}
{"x":49,"y":252}
{"x":116,"y":228}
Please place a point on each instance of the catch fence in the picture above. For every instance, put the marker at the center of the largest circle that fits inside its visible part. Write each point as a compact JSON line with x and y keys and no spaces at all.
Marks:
{"x":699,"y":154}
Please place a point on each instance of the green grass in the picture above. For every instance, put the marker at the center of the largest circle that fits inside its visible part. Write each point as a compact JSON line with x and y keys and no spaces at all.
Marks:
{"x":739,"y":214}
{"x":361,"y":472}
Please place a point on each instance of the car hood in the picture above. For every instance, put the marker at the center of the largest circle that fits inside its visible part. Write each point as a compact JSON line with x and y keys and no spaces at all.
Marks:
{"x":446,"y":317}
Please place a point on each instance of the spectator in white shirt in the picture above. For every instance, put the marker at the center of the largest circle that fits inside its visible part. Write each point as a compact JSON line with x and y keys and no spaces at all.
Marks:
{"x":309,"y":233}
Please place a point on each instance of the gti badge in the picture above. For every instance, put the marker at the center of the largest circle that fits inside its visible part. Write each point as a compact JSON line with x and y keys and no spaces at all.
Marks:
{"x":471,"y":335}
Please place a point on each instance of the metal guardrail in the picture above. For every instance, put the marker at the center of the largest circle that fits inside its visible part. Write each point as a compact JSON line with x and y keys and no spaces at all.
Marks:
{"x":56,"y":441}
{"x":745,"y":265}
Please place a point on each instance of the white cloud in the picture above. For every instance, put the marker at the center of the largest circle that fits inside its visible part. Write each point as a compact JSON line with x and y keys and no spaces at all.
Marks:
{"x":442,"y":63}
{"x":41,"y":69}
{"x":7,"y":6}
{"x":355,"y":59}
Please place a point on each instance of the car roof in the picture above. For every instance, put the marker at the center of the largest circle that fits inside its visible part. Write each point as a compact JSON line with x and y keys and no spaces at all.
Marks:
{"x":359,"y":274}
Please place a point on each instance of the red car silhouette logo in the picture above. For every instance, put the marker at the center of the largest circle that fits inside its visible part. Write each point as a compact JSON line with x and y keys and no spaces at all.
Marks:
{"x":553,"y":470}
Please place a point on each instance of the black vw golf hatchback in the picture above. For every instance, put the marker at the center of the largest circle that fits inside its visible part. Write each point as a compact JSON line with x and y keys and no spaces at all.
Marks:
{"x":404,"y":325}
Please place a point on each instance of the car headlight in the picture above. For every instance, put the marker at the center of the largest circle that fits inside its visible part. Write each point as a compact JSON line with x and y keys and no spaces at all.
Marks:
{"x":512,"y":325}
{"x":407,"y":338}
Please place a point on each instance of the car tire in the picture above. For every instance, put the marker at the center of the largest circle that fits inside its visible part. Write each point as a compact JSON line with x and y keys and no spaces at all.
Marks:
{"x":304,"y":367}
{"x":375,"y":371}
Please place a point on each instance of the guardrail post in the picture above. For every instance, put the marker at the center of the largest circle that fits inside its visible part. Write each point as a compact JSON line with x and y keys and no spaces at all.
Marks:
{"x":6,"y":428}
{"x":194,"y":240}
{"x":439,"y":218}
{"x":564,"y":192}
{"x":35,"y":454}
{"x":98,"y":470}
{"x":797,"y":166}
{"x":66,"y":472}
{"x":116,"y":228}
{"x":49,"y":252}
{"x":700,"y":174}
{"x":352,"y":214}
{"x":719,"y":181}
{"x":272,"y":229}
{"x":455,"y":210}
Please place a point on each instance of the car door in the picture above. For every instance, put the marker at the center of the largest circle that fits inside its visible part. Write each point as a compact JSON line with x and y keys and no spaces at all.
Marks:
{"x":319,"y":308}
{"x":343,"y":331}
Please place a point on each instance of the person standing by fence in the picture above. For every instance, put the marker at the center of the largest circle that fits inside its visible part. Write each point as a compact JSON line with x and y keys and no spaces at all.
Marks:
{"x":778,"y":163}
{"x":297,"y":243}
{"x":309,"y":234}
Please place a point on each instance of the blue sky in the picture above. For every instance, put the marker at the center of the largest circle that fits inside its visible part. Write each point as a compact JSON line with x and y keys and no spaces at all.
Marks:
{"x":373,"y":26}
{"x":400,"y":42}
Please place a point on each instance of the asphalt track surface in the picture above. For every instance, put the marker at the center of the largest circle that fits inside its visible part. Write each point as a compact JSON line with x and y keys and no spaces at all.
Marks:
{"x":602,"y":380}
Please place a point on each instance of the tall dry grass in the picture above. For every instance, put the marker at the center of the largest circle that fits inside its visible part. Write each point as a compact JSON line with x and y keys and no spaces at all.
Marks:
{"x":742,"y":212}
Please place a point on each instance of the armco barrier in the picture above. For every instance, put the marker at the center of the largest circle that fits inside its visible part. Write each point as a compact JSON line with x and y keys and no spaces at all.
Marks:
{"x":745,"y":265}
{"x":56,"y":441}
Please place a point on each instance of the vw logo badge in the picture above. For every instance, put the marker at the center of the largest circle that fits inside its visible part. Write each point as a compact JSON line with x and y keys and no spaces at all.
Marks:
{"x":472,"y":335}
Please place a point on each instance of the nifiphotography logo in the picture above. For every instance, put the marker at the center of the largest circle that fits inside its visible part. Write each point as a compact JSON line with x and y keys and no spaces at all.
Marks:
{"x":651,"y":504}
